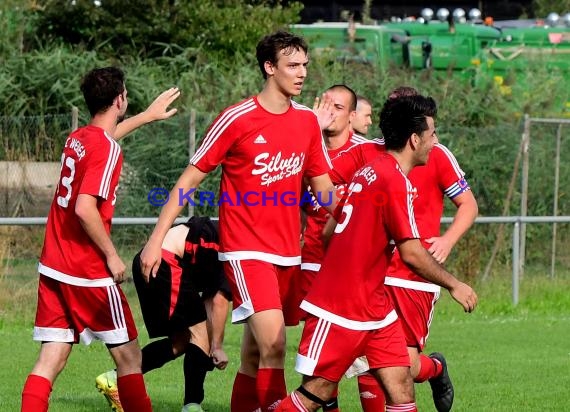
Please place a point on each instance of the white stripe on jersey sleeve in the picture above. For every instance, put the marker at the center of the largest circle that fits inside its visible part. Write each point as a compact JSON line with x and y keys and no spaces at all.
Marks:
{"x":218,"y":127}
{"x":452,"y":160}
{"x":112,"y":158}
{"x":410,"y":204}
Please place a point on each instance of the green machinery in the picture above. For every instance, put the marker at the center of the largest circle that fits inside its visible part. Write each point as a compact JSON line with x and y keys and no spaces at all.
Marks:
{"x":451,"y":43}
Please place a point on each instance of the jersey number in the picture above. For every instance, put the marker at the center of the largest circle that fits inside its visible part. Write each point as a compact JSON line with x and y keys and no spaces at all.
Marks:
{"x":69,"y":163}
{"x":348,"y":208}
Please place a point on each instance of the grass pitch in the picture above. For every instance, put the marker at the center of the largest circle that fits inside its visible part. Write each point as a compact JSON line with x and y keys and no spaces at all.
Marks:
{"x":500,"y":358}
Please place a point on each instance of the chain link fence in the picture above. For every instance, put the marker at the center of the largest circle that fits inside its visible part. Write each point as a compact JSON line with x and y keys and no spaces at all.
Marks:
{"x":156,"y":154}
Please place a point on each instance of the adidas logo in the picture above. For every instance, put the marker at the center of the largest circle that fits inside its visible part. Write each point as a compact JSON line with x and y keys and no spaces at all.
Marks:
{"x":260,"y":140}
{"x":367,"y":395}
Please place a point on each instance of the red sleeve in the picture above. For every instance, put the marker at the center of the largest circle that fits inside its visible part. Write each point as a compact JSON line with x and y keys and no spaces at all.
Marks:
{"x":219,"y":138}
{"x":318,"y":162}
{"x":448,"y":170}
{"x":99,"y":169}
{"x":348,"y":162}
{"x":399,"y":210}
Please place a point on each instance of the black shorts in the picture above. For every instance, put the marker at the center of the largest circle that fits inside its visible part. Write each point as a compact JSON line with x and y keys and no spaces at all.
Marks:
{"x":167,"y":310}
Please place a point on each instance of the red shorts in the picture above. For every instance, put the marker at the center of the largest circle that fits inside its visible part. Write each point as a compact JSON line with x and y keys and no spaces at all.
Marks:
{"x":257,"y":286}
{"x":297,"y":292}
{"x":327,"y":350}
{"x":415,"y":310}
{"x":66,"y":313}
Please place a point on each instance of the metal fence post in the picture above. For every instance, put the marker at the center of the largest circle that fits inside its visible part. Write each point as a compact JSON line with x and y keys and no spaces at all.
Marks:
{"x":74,"y":118}
{"x":516,"y":255}
{"x":191,"y":148}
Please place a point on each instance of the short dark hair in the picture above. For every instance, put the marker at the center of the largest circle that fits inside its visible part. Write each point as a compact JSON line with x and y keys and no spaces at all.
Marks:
{"x":404,"y":116}
{"x":344,"y":87}
{"x":101,"y":86}
{"x":403,"y":91}
{"x":269,"y":47}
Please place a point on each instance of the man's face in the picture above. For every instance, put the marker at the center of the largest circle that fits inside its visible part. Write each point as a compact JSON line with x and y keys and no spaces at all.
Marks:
{"x":427,"y":140}
{"x":341,"y":100}
{"x":290,"y":71}
{"x":124,"y":103}
{"x":362,"y":119}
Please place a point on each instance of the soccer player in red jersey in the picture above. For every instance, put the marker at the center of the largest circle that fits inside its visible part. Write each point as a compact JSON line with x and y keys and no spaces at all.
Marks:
{"x":378,"y":208}
{"x":338,"y":139}
{"x":414,"y":297}
{"x":266,"y":145}
{"x":78,"y":293}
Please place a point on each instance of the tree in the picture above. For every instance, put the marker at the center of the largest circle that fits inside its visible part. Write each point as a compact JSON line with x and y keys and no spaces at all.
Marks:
{"x":151,"y":28}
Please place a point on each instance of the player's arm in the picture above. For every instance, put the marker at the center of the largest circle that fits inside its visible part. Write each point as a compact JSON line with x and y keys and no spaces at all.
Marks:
{"x":90,"y":219}
{"x":324,"y":191}
{"x":179,"y":196}
{"x":465,"y":215}
{"x":217,"y":311}
{"x":328,"y":230}
{"x":157,"y":110}
{"x":423,"y":264}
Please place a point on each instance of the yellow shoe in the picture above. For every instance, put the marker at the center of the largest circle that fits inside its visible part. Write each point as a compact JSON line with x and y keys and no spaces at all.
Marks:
{"x":106,"y":383}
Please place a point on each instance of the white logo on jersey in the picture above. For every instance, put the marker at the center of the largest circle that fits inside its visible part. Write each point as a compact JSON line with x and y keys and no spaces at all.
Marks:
{"x":367,"y":395}
{"x":260,"y":139}
{"x":274,"y":168}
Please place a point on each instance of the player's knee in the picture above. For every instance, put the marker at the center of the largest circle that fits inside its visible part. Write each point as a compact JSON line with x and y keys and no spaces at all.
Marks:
{"x":401,"y":392}
{"x":329,"y":404}
{"x":273,"y":349}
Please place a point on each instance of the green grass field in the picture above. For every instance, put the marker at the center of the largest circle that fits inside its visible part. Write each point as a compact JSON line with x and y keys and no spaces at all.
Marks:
{"x":501,"y":358}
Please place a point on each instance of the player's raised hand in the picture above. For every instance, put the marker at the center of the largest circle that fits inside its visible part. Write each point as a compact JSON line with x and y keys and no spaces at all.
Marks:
{"x":117,"y":268}
{"x":324,"y":109}
{"x":158,"y":109}
{"x":465,"y":296}
{"x":151,"y":256}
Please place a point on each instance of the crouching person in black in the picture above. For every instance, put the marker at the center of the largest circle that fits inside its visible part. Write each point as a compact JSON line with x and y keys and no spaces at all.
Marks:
{"x":186,"y":303}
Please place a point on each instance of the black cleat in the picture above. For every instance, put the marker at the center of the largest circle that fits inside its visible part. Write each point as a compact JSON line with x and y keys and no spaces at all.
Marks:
{"x":441,"y":386}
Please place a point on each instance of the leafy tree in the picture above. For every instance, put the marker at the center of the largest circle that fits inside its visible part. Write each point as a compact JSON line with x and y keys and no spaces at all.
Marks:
{"x":150,"y":28}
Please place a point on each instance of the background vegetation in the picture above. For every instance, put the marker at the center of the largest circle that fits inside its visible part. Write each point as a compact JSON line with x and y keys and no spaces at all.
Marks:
{"x":497,"y":359}
{"x":207,"y":49}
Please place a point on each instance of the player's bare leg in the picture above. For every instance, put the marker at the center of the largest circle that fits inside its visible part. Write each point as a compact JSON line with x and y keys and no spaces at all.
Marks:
{"x":51,"y":361}
{"x":314,"y":393}
{"x":132,"y":390}
{"x":398,"y":386}
{"x":268,"y":330}
{"x":244,"y":392}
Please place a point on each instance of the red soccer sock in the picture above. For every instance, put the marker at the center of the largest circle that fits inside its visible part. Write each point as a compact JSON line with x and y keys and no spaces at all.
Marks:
{"x":244,"y":394}
{"x":429,"y":368}
{"x":403,"y":407}
{"x":132,"y":393}
{"x":371,"y":394}
{"x":35,"y":395}
{"x":270,"y":385}
{"x":291,"y":403}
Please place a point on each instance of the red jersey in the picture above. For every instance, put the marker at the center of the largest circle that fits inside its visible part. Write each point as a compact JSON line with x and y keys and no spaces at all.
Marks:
{"x":264,"y":157}
{"x":90,"y":164}
{"x":346,"y":160}
{"x":349,"y":289}
{"x":440,"y":176}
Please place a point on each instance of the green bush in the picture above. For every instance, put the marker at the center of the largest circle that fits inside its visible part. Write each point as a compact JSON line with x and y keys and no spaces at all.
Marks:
{"x":152,"y":28}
